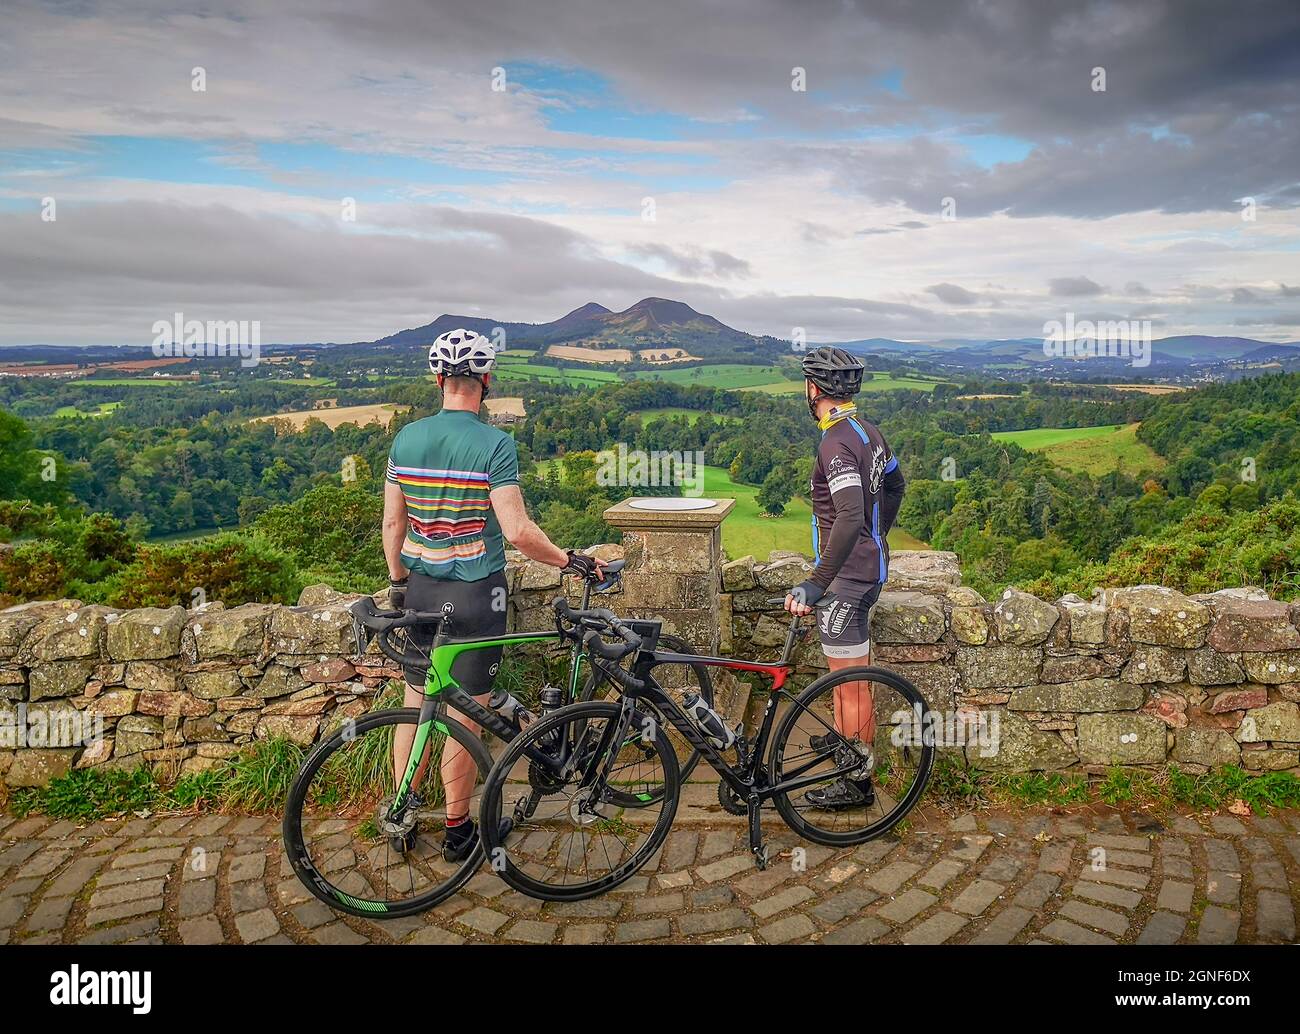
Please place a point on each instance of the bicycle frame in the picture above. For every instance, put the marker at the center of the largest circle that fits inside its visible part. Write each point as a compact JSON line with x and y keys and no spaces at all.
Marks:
{"x":749,"y":780}
{"x":442,"y":690}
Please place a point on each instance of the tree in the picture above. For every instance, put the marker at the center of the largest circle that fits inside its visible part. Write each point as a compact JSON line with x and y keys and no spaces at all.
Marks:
{"x":777,"y":489}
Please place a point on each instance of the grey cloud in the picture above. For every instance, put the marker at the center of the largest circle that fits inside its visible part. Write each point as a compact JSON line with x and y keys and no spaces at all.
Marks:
{"x":695,"y":262}
{"x":1073,"y":287}
{"x":951,"y":294}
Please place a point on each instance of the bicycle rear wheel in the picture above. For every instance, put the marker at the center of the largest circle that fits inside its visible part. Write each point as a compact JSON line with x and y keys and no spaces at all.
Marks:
{"x":338,"y":825}
{"x":572,"y":841}
{"x":879,"y":748}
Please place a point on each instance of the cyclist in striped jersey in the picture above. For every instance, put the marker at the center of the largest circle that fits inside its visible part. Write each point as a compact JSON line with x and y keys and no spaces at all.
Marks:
{"x":451,"y":500}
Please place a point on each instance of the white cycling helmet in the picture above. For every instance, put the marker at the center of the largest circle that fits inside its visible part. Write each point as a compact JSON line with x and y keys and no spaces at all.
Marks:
{"x":462,"y":353}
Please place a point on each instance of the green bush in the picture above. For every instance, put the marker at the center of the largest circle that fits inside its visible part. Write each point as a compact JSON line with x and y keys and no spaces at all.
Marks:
{"x":232,"y":567}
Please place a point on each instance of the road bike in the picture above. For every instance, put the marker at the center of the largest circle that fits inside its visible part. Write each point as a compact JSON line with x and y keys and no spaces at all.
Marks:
{"x":366,"y":834}
{"x":593,"y":763}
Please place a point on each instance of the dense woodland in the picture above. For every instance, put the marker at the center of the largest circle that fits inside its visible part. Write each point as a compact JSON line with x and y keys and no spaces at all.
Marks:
{"x":80,"y":498}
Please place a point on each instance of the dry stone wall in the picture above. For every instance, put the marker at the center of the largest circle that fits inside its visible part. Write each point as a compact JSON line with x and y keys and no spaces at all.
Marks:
{"x":1134,"y":676}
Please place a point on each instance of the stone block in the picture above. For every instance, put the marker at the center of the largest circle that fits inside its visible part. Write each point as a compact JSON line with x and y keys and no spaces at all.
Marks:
{"x":1090,"y":695}
{"x":907,"y":617}
{"x":1256,"y":626}
{"x":238,"y":632}
{"x":1161,"y":617}
{"x":150,"y":633}
{"x":984,"y":667}
{"x":1121,"y":739}
{"x":1023,"y":620}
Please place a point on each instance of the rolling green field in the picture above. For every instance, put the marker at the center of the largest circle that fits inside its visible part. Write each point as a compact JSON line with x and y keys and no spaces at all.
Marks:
{"x":514,"y":365}
{"x":748,"y":531}
{"x":101,"y":409}
{"x":1090,"y":450}
{"x":128,"y":382}
{"x":728,"y":376}
{"x":692,"y":415}
{"x":516,"y":368}
{"x":883,"y":381}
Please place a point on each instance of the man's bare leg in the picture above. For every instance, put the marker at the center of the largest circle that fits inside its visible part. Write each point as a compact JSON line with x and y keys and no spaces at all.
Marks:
{"x":459,"y":773}
{"x":855,"y":716}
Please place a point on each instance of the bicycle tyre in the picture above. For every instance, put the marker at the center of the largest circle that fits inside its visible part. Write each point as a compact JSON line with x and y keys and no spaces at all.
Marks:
{"x":802,"y":704}
{"x":296,"y":841}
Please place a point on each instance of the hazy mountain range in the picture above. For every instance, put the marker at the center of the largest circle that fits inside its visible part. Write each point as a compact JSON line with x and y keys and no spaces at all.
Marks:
{"x":654,"y":322}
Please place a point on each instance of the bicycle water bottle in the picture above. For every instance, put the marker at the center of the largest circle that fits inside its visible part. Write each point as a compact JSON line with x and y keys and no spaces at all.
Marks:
{"x":708,"y":720}
{"x":504,"y":703}
{"x":549,"y":699}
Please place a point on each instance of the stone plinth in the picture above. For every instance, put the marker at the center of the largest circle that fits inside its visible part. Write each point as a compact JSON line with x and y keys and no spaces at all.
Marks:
{"x":674,"y":565}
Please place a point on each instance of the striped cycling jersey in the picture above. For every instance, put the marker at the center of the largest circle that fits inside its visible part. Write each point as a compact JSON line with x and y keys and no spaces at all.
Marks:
{"x":445,"y":466}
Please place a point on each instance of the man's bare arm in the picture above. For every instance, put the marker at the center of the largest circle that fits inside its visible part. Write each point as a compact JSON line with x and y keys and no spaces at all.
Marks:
{"x":519,"y":529}
{"x":394,"y":528}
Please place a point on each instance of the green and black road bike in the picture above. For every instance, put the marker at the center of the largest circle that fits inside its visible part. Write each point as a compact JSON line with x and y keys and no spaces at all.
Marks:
{"x":364,"y":830}
{"x":841,"y":763}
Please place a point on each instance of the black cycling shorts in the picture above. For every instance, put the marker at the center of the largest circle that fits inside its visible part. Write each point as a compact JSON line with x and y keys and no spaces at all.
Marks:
{"x":844,"y":618}
{"x":475,"y":609}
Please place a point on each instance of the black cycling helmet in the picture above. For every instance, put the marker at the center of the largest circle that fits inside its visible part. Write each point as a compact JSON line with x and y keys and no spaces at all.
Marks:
{"x":836,"y":372}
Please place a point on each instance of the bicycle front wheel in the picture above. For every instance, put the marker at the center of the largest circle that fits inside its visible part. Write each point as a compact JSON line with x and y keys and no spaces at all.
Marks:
{"x":573,"y":837}
{"x":855,"y":739}
{"x":351,"y":845}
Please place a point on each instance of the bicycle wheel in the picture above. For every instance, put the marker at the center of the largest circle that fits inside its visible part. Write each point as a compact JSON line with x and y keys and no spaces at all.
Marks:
{"x":676,"y":679}
{"x":570,"y":842}
{"x":340,"y":833}
{"x":884,"y":759}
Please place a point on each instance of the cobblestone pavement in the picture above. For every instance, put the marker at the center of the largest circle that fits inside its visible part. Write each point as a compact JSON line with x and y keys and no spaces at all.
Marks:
{"x":1082,"y":877}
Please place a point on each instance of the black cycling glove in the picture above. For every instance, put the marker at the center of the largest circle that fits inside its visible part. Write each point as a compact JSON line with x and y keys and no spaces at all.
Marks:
{"x":397,"y":593}
{"x":579,"y":563}
{"x":807,"y":593}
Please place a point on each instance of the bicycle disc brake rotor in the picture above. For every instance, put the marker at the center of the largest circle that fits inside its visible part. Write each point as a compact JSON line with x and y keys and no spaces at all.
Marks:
{"x":583,"y":811}
{"x":399,"y":827}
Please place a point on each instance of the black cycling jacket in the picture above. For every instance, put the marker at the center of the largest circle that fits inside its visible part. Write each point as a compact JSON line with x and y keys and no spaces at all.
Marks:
{"x":857,"y":488}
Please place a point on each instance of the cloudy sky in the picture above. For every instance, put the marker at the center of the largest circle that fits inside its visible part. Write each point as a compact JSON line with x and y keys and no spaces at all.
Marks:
{"x":901,"y":169}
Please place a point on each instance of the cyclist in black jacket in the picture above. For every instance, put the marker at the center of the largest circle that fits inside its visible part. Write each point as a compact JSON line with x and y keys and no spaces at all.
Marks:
{"x":857,"y":488}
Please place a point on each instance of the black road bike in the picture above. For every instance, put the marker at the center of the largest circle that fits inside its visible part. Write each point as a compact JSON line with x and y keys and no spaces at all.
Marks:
{"x":841,"y":764}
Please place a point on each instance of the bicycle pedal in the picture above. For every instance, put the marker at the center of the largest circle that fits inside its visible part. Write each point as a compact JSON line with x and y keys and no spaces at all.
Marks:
{"x":761,"y":858}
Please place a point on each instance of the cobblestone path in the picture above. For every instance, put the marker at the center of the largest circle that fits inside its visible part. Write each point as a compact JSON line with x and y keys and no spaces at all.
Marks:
{"x":1084,"y":877}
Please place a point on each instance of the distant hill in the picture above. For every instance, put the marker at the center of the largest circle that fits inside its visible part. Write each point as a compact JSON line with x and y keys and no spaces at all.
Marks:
{"x":1179,"y":350}
{"x":650,"y":323}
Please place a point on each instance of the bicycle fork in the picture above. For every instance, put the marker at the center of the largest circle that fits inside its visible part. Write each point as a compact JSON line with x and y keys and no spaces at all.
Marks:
{"x":756,"y":845}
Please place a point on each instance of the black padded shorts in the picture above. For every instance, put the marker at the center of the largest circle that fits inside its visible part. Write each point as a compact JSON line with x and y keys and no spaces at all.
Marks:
{"x":476,"y":609}
{"x":844,"y":624}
